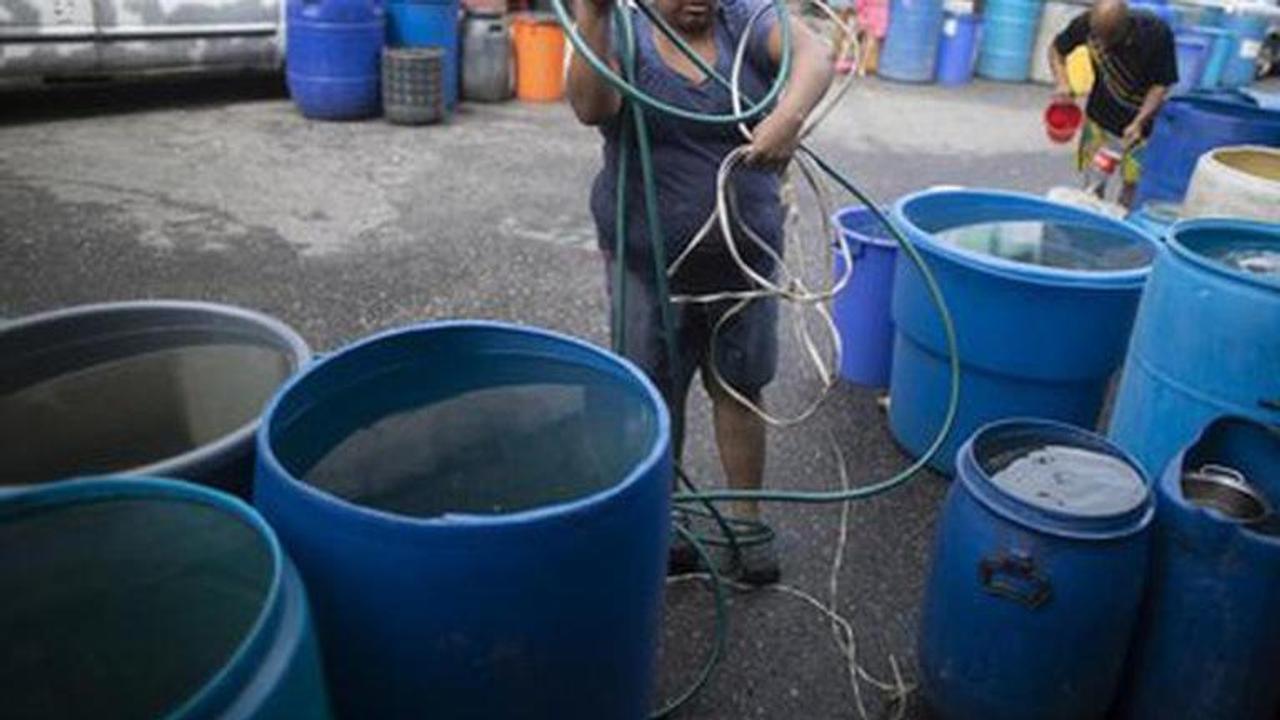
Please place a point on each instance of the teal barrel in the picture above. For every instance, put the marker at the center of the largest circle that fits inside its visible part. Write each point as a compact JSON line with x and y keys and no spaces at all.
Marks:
{"x":1206,"y":340}
{"x":1249,"y":28}
{"x":130,"y":597}
{"x":152,"y":387}
{"x":1208,"y":645}
{"x":481,"y":513}
{"x":1043,"y":297}
{"x":911,"y":43}
{"x":1008,"y":34}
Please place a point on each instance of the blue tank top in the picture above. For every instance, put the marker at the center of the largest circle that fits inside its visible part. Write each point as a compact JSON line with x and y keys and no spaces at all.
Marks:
{"x":687,"y":154}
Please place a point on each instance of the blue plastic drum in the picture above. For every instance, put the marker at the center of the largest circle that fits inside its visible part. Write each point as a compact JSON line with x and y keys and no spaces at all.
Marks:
{"x":862,"y":310}
{"x":1193,"y":49}
{"x":1249,"y":28}
{"x":1206,"y":340}
{"x":911,"y":43}
{"x":1042,"y":295}
{"x":481,"y":513}
{"x":428,"y":23}
{"x":1038,"y":572}
{"x":958,"y":51}
{"x":333,"y":57}
{"x":1009,"y":32}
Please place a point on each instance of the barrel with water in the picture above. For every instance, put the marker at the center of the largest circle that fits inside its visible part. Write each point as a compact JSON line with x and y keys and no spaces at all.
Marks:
{"x":1009,"y":32}
{"x":332,"y":53}
{"x":153,"y":387}
{"x":480,"y":512}
{"x":428,"y":23}
{"x":133,"y":597}
{"x":911,"y":44}
{"x":1042,"y":295}
{"x":1055,"y":18}
{"x":1249,"y":26}
{"x":1206,"y":340}
{"x":1208,"y":645}
{"x":862,"y":309}
{"x":958,"y":50}
{"x":1037,"y":576}
{"x":1190,"y":126}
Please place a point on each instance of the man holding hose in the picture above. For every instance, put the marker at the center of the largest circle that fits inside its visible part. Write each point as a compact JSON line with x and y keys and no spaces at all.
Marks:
{"x":686,"y":158}
{"x":1135,"y":64}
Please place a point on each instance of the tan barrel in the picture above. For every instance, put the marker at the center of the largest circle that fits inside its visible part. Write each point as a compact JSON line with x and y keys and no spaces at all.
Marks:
{"x":1241,"y":181}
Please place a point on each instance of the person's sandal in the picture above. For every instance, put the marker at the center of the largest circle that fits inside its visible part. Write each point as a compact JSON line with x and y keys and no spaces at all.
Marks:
{"x":757,"y":565}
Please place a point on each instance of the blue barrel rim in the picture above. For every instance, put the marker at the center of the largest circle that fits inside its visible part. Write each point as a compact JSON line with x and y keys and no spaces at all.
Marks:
{"x":1023,"y":272}
{"x":1075,"y":527}
{"x":1253,"y":228}
{"x":464,"y":522}
{"x":295,"y":348}
{"x":94,"y":488}
{"x":839,"y":218}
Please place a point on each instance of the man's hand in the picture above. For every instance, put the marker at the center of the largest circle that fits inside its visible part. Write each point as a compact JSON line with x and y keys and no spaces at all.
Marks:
{"x":1132,"y":135}
{"x":775,"y":140}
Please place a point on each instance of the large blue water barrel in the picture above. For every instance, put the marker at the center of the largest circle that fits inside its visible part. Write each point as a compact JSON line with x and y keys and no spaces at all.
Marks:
{"x":1008,"y":33}
{"x":1042,"y":296}
{"x":333,"y":55}
{"x":1187,"y":128}
{"x":958,"y":51}
{"x":911,"y":44}
{"x":1038,"y":571}
{"x":133,"y":597}
{"x":480,"y":512}
{"x":861,"y":310}
{"x":1193,"y":49}
{"x":1206,"y":341}
{"x":1208,"y":644}
{"x":1249,"y":28}
{"x":428,"y":23}
{"x":152,"y":387}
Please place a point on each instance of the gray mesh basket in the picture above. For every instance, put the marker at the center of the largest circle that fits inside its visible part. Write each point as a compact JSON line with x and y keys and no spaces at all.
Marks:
{"x":413,"y":85}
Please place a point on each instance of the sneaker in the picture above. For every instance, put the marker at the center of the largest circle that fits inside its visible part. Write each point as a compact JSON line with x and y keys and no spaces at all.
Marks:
{"x":758,"y":565}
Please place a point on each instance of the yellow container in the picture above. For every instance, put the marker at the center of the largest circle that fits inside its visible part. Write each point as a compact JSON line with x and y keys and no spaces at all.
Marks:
{"x":1080,"y":71}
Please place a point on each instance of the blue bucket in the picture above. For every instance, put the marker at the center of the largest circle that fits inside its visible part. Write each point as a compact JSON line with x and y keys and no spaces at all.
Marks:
{"x":1036,"y":337}
{"x":911,"y":41}
{"x":958,"y":50}
{"x":333,"y":57}
{"x":481,"y":513}
{"x":1037,"y":575}
{"x":428,"y":23}
{"x":1193,"y":50}
{"x":138,"y":597}
{"x":1009,"y":32}
{"x":1205,"y":343}
{"x":1208,"y":644}
{"x":862,"y":310}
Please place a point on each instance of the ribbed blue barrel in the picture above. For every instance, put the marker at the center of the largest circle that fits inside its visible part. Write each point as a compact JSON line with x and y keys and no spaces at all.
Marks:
{"x":1008,"y":33}
{"x":1220,"y":51}
{"x":428,"y":23}
{"x":1038,"y":570}
{"x":1208,"y":645}
{"x":481,"y":514}
{"x":138,"y":597}
{"x":1205,"y":343}
{"x":153,"y":387}
{"x":958,"y":50}
{"x":1187,"y":128}
{"x":1250,"y":29}
{"x":1193,"y":49}
{"x":862,"y":309}
{"x":1042,"y":316}
{"x":911,"y":43}
{"x":333,"y":55}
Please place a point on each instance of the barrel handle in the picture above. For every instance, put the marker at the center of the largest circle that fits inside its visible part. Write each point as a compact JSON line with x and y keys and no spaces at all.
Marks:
{"x":1015,"y":577}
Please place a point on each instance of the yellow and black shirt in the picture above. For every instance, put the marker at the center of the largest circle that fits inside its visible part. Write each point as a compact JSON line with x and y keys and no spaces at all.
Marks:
{"x":1125,"y":72}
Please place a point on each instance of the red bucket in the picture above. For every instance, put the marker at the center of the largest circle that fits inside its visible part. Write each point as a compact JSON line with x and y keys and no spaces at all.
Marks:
{"x":1062,"y":120}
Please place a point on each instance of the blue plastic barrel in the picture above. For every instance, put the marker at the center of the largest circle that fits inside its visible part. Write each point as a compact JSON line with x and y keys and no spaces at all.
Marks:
{"x":1193,"y":50}
{"x":1205,"y":342}
{"x":911,"y":43}
{"x":136,"y":597}
{"x":862,"y":309}
{"x":428,"y":23}
{"x":1188,"y":127}
{"x":1160,"y":10}
{"x":333,"y":55}
{"x":1042,"y":318}
{"x":1009,"y":31}
{"x":153,"y":387}
{"x":1038,"y":570}
{"x":1208,"y":645}
{"x":1154,"y":219}
{"x":1223,"y":45}
{"x":958,"y":50}
{"x":480,"y":512}
{"x":1250,"y":29}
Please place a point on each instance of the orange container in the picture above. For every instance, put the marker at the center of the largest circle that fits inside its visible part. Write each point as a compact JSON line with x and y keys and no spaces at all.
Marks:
{"x":539,"y":44}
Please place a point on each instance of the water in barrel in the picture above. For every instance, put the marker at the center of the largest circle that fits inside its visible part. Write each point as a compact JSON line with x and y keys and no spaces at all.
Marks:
{"x":1064,"y":478}
{"x":1053,"y":244}
{"x":1255,"y":261}
{"x":498,"y":436}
